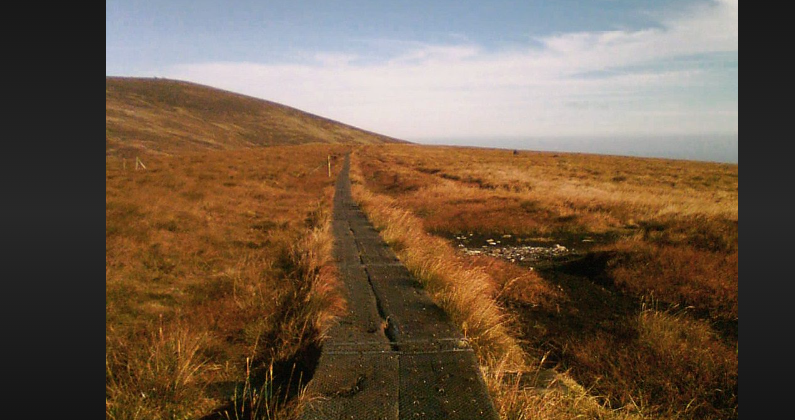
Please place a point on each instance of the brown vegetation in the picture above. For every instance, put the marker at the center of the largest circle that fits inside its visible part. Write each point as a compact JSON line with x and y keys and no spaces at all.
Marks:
{"x":665,"y":232}
{"x":465,"y":289}
{"x":219,"y":285}
{"x":168,"y":116}
{"x":219,"y":282}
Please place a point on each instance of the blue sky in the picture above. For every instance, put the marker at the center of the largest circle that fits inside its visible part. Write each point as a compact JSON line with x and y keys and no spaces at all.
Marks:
{"x":444,"y":69}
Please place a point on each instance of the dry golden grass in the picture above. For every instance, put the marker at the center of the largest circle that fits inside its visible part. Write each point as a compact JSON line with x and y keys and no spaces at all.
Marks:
{"x":522,"y":389}
{"x":213,"y":259}
{"x":596,"y":192}
{"x":668,"y":204}
{"x":456,"y":289}
{"x":219,"y":283}
{"x":665,"y":229}
{"x":171,"y":117}
{"x":682,"y":274}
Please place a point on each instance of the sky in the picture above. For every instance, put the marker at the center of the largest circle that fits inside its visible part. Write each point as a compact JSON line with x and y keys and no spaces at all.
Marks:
{"x":517,"y":74}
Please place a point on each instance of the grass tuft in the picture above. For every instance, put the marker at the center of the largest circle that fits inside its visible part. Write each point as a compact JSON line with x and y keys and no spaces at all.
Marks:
{"x":158,"y":378}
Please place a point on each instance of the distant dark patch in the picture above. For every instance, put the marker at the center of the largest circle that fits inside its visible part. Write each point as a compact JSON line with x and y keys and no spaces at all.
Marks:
{"x":265,"y":226}
{"x":566,"y":219}
{"x":592,"y":265}
{"x":429,"y":170}
{"x":170,"y":225}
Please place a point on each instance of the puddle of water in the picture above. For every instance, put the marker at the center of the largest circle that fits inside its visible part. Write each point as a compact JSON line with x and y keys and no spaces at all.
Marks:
{"x":526,"y":254}
{"x":525,"y":250}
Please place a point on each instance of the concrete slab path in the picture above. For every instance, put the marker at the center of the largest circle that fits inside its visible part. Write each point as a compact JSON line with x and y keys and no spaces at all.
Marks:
{"x":396,"y":355}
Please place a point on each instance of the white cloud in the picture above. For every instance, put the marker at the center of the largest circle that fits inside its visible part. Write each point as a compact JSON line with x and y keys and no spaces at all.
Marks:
{"x":465,"y":90}
{"x":334,"y":59}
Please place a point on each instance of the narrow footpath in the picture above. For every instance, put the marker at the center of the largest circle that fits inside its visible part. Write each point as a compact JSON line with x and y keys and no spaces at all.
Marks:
{"x":396,"y":355}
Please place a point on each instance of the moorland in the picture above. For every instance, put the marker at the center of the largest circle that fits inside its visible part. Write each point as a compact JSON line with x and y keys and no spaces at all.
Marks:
{"x":590,"y":286}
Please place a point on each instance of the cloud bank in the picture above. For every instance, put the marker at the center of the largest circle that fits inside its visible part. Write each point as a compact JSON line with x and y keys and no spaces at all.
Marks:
{"x":679,"y":77}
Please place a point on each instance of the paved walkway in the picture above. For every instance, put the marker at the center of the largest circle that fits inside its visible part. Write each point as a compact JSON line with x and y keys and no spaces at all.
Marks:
{"x":396,"y":355}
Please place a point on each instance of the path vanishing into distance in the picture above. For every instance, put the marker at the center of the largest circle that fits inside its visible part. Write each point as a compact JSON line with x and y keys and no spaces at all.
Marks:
{"x":396,"y":355}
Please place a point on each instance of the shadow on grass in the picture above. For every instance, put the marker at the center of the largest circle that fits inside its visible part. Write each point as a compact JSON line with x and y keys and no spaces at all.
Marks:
{"x":594,"y":333}
{"x":269,"y":388}
{"x":593,"y":306}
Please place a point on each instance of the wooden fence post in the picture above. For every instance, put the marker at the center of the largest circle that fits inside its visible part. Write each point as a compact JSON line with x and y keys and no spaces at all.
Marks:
{"x":329,"y":166}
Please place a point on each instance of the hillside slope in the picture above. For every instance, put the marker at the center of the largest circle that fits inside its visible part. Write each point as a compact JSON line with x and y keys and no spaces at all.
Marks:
{"x":167,"y":116}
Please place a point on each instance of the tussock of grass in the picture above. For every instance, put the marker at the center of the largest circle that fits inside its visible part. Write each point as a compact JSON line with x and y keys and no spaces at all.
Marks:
{"x":678,"y":367}
{"x":702,"y":364}
{"x":157,"y":377}
{"x":259,"y":399}
{"x":538,"y":393}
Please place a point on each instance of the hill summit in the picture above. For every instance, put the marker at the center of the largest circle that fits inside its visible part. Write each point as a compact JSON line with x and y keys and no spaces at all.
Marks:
{"x":167,"y":116}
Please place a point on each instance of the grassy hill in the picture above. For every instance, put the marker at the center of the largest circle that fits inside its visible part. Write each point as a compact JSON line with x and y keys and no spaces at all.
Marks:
{"x":166,"y":116}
